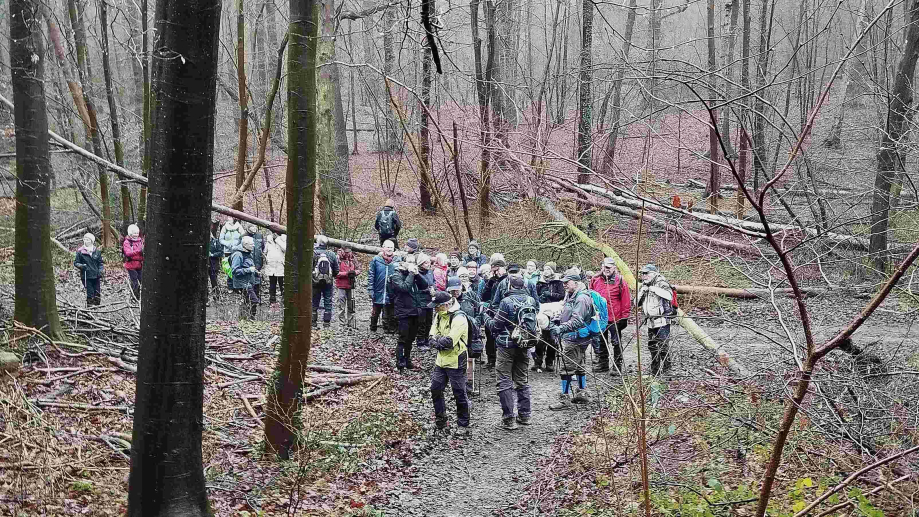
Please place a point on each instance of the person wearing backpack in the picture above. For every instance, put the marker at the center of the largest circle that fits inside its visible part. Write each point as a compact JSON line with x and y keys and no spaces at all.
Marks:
{"x":275,"y":249}
{"x":407,"y":286}
{"x":515,"y":330}
{"x":655,"y":298}
{"x":381,"y":268}
{"x":549,"y":289}
{"x":133,"y":250}
{"x":91,"y":265}
{"x":231,"y":236}
{"x":242,"y":272}
{"x":214,"y":258}
{"x":388,"y":224}
{"x":441,"y":271}
{"x":462,"y":289}
{"x":449,"y":335}
{"x":498,"y":274}
{"x":504,"y":286}
{"x":344,"y":282}
{"x":577,"y":312}
{"x":612,"y":286}
{"x":325,"y":269}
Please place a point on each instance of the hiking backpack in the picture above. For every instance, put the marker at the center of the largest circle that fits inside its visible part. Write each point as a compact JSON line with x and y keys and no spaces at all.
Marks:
{"x":227,"y":269}
{"x":470,"y":324}
{"x":322,"y":273}
{"x":600,"y":319}
{"x":527,"y":330}
{"x":386,"y":222}
{"x":673,"y":304}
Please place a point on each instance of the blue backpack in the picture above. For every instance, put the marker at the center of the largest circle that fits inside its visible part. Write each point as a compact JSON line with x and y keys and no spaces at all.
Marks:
{"x":600,"y":320}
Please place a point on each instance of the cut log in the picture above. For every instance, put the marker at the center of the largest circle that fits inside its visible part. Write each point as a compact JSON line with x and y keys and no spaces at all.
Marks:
{"x":685,"y":321}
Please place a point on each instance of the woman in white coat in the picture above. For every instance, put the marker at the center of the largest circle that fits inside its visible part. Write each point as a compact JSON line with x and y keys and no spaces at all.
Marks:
{"x":275,"y":248}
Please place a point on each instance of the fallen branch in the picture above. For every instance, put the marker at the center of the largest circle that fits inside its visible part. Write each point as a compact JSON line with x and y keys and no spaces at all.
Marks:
{"x":840,"y":506}
{"x":77,"y":405}
{"x":750,"y":293}
{"x":250,"y":409}
{"x":685,"y":321}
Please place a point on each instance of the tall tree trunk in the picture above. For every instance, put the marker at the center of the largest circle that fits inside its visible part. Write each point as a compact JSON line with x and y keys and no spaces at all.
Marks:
{"x":890,"y":158}
{"x":584,"y":104}
{"x":392,"y":139}
{"x":242,"y":149}
{"x":167,"y":473}
{"x":506,"y":30}
{"x":834,"y":139}
{"x":714,"y":179}
{"x":271,"y":22}
{"x":562,"y":69}
{"x":138,"y":55}
{"x":285,"y":395}
{"x":654,"y":23}
{"x":759,"y":109}
{"x":486,"y":101}
{"x":148,"y":102}
{"x":609,"y":155}
{"x":744,"y":108}
{"x":730,"y":44}
{"x":424,"y":132}
{"x":35,"y":299}
{"x":85,"y":71}
{"x":127,"y":206}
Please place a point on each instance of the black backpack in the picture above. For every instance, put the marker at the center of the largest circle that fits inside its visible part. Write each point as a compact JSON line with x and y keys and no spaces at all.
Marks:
{"x":323,"y":272}
{"x":386,"y":222}
{"x":470,"y":324}
{"x":527,"y":330}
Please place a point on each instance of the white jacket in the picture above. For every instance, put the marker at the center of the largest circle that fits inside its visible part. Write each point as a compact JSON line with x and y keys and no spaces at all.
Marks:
{"x":275,"y":248}
{"x":650,"y":297}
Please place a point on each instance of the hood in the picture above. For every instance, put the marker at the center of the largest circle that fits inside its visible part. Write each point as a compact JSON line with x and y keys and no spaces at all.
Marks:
{"x":232,"y":227}
{"x":454,"y":307}
{"x":133,"y":239}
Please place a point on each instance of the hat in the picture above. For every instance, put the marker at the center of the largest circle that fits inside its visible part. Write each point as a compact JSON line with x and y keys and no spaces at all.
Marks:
{"x":572,"y":274}
{"x":91,"y":237}
{"x":513,"y":268}
{"x":648,"y":268}
{"x":551,"y":265}
{"x":389,"y":202}
{"x":460,"y":271}
{"x":454,"y":284}
{"x":389,"y":243}
{"x":422,"y":258}
{"x":472,"y":265}
{"x":516,"y":282}
{"x":497,"y":257}
{"x":473,"y":244}
{"x":440,"y":298}
{"x":133,"y":230}
{"x":321,"y":240}
{"x":608,"y":261}
{"x":412,"y":244}
{"x":248,"y":243}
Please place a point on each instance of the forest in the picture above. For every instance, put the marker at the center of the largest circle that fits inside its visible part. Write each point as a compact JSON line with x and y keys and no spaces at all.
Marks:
{"x":198,"y":199}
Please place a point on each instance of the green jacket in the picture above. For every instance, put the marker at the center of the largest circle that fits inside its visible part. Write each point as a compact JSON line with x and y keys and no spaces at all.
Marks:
{"x":458,"y":329}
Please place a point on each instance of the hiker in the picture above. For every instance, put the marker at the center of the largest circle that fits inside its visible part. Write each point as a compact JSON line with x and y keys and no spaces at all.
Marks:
{"x":243,"y":272}
{"x":411,"y":246}
{"x":498,"y":273}
{"x":577,"y":311}
{"x":531,"y":274}
{"x":655,"y":300}
{"x":454,"y":263}
{"x":90,"y":263}
{"x":133,"y":250}
{"x":425,"y":313}
{"x":461,"y":288}
{"x":503,"y":287}
{"x":449,"y":334}
{"x":325,"y":269}
{"x":472,"y":268}
{"x":484,"y":276}
{"x":612,"y":286}
{"x":441,"y":271}
{"x":381,"y":268}
{"x":549,"y":289}
{"x":275,"y":249}
{"x":258,"y":257}
{"x":407,"y":285}
{"x":231,"y":236}
{"x":344,"y":282}
{"x":214,"y":258}
{"x":388,"y":224}
{"x":474,"y":254}
{"x":515,"y":329}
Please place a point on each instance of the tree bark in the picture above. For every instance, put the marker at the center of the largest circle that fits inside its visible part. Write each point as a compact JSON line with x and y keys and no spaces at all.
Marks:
{"x":609,"y":154}
{"x":127,"y":206}
{"x":585,"y":103}
{"x":167,"y":473}
{"x":730,"y":44}
{"x":759,"y":105}
{"x":391,"y":139}
{"x":242,"y":149}
{"x":714,"y":178}
{"x":890,"y":157}
{"x":744,"y":109}
{"x":282,"y":422}
{"x":424,"y":132}
{"x":148,"y":102}
{"x":35,"y":295}
{"x":834,"y":139}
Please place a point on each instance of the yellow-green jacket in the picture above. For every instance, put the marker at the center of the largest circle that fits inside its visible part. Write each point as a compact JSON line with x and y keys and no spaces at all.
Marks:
{"x":458,"y":330}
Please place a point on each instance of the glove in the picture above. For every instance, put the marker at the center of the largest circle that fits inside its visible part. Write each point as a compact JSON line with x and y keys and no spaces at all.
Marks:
{"x":352,"y":274}
{"x":555,"y":332}
{"x":444,"y":343}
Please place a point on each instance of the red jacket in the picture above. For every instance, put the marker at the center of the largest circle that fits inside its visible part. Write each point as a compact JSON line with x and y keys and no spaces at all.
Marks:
{"x":133,"y":249}
{"x":617,"y":294}
{"x":346,"y":263}
{"x":440,"y":277}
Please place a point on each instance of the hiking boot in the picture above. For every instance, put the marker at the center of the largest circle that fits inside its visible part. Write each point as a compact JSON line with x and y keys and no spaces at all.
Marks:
{"x":564,"y":402}
{"x":580,"y":396}
{"x":507,"y":424}
{"x":440,"y":422}
{"x":535,"y":368}
{"x":461,"y":432}
{"x":549,"y":369}
{"x":489,"y":366}
{"x":523,"y":420}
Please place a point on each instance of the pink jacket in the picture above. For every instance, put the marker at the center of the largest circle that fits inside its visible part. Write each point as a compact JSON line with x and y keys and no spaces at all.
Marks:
{"x":617,"y":294}
{"x":440,"y":277}
{"x":133,"y":248}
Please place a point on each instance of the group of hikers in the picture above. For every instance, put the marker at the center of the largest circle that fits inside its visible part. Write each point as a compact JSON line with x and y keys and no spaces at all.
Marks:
{"x":468,"y":307}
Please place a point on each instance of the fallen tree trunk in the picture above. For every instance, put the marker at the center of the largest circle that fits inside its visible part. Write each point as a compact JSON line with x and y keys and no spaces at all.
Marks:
{"x":748,"y":293}
{"x":685,"y":321}
{"x":137,"y":178}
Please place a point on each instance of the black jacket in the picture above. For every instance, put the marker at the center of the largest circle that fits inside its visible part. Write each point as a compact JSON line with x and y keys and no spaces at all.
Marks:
{"x":406,"y":288}
{"x":490,"y":287}
{"x":396,"y":222}
{"x":551,"y":291}
{"x":505,"y":319}
{"x":258,"y":252}
{"x":89,"y":264}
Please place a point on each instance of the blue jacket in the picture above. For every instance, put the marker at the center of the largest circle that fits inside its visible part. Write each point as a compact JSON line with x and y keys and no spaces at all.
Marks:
{"x":258,"y":252}
{"x":504,"y":289}
{"x":424,"y":297}
{"x":240,"y":262}
{"x":377,"y":279}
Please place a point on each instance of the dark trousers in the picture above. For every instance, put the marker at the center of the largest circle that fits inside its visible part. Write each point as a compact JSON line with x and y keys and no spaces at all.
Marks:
{"x":408,"y":330}
{"x":213,"y":267}
{"x":545,"y":351}
{"x":388,"y":319}
{"x":490,"y":348}
{"x":393,"y":238}
{"x":135,"y":276}
{"x":425,"y":320}
{"x":249,"y":301}
{"x":93,"y":291}
{"x":659,"y":346}
{"x":322,"y":292}
{"x":275,"y":283}
{"x":512,"y":377}
{"x":457,"y":378}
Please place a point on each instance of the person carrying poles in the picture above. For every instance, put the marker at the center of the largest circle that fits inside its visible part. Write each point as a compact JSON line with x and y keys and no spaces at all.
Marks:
{"x":656,"y":300}
{"x":90,"y":263}
{"x":577,"y":312}
{"x":612,"y":286}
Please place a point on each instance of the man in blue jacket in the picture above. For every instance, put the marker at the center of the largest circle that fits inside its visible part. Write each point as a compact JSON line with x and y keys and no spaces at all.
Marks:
{"x":244,"y":270}
{"x":577,"y":311}
{"x":381,"y":268}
